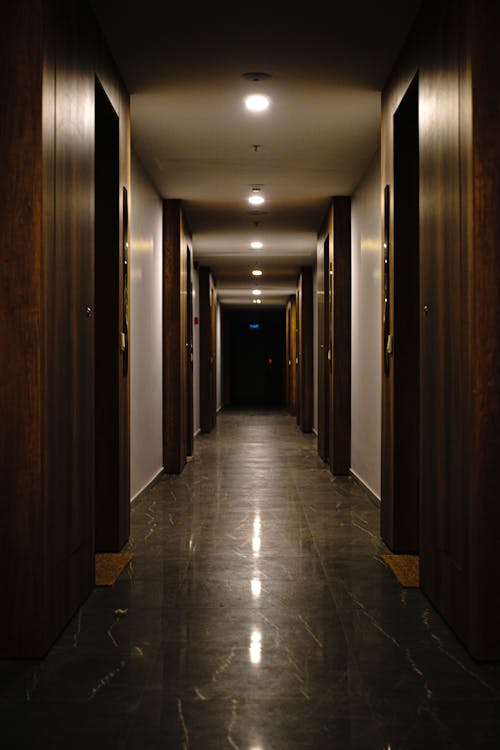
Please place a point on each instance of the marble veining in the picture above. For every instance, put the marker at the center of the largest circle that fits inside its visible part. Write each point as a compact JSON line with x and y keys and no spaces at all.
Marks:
{"x":257,"y":614}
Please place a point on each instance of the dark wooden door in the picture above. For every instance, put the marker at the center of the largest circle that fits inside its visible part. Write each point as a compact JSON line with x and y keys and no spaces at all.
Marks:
{"x":324,"y":346}
{"x":401,"y":392}
{"x":112,"y":502}
{"x":291,"y":369}
{"x":305,"y":350}
{"x":189,"y":357}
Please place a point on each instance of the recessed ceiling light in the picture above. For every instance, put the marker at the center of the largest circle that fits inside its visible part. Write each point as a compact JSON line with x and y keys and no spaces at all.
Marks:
{"x":257,"y":102}
{"x":256,"y":272}
{"x":257,"y":301}
{"x":256,"y":245}
{"x":256,"y":200}
{"x":256,"y":292}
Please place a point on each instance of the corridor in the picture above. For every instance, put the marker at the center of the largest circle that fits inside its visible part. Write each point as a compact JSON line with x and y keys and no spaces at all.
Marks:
{"x":257,"y":615}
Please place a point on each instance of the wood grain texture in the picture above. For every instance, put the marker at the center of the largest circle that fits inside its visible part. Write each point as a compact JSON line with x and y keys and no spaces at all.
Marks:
{"x":324,"y":334}
{"x":208,"y":404}
{"x":485,"y":344}
{"x":444,"y":360}
{"x":454,"y":49}
{"x":305,"y":350}
{"x":174,"y":337}
{"x":434,"y":51}
{"x":23,"y":569}
{"x":69,"y":289}
{"x":291,"y":355}
{"x":189,"y":354}
{"x":340,"y":379}
{"x":47,"y":518}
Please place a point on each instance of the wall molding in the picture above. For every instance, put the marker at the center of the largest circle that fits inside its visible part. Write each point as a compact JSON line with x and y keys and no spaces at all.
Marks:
{"x":375,"y":499}
{"x":149,"y":485}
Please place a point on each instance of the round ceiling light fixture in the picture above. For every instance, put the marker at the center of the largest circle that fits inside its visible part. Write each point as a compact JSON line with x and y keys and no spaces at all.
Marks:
{"x":257,"y":301}
{"x":256,"y":272}
{"x":256,"y":245}
{"x":256,"y":292}
{"x":256,"y":200}
{"x":257,"y":102}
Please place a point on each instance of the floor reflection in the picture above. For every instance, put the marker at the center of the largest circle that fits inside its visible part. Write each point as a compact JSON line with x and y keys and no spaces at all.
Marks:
{"x":259,"y":616}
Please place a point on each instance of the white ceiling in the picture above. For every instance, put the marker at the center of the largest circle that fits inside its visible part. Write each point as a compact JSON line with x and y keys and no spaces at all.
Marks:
{"x":183,"y":66}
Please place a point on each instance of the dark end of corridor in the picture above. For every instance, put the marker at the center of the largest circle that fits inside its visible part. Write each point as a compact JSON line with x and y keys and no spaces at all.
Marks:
{"x":255,"y":357}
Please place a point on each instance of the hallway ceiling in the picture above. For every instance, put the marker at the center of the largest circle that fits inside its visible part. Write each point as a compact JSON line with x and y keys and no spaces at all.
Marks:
{"x":183,"y":66}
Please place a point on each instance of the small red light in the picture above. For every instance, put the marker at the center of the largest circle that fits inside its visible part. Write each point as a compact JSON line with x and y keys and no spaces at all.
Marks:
{"x":269,"y":361}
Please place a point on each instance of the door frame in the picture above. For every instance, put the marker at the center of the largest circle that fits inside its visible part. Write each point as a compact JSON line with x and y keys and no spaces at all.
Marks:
{"x":110,"y":314}
{"x":400,"y":514}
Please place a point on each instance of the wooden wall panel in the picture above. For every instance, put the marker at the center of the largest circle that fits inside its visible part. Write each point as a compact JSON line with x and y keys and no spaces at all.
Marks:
{"x":208,"y":405}
{"x":22,"y":565}
{"x":436,"y":52}
{"x":444,"y":365}
{"x":453,"y":49}
{"x":291,"y":356}
{"x":334,"y":336}
{"x":48,"y":515}
{"x":175,"y":238}
{"x":189,"y":354}
{"x":324,"y":331}
{"x":68,"y":357}
{"x":484,"y":483}
{"x":305,"y":350}
{"x":340,"y":302}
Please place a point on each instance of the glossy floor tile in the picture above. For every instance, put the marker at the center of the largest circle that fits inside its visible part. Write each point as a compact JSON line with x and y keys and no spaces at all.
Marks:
{"x":260,"y":616}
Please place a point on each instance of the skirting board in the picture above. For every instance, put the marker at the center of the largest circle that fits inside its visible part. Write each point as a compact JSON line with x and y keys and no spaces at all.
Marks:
{"x":147,"y":486}
{"x":371,"y":494}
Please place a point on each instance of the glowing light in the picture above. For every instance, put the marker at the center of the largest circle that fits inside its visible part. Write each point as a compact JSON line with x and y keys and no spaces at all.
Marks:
{"x":257,"y":102}
{"x":256,"y":292}
{"x":256,"y":535}
{"x":257,"y":301}
{"x":256,"y":245}
{"x":255,"y":647}
{"x":256,"y":272}
{"x":256,"y":200}
{"x":256,"y":587}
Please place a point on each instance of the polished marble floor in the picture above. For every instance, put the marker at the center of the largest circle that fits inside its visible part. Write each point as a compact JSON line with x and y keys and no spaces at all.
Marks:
{"x":260,"y":616}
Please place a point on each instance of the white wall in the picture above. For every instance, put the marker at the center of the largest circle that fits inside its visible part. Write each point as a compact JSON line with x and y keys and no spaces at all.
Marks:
{"x":366,"y":328}
{"x":145,"y":330}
